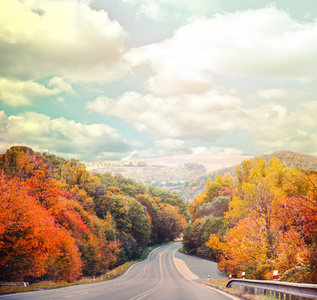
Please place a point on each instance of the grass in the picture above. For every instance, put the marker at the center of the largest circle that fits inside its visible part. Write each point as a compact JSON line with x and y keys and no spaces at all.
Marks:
{"x":9,"y":289}
{"x":220,"y":284}
{"x":147,"y":250}
{"x":45,"y":285}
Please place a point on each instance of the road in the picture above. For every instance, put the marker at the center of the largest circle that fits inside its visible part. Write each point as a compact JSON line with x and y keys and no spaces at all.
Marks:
{"x":160,"y":276}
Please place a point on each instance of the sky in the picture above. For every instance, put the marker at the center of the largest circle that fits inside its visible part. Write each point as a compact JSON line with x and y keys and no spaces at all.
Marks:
{"x":132,"y":79}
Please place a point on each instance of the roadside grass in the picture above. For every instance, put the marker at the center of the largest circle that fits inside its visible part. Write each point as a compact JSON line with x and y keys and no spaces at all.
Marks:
{"x":220,"y":284}
{"x":147,"y":250}
{"x":9,"y":289}
{"x":45,"y":285}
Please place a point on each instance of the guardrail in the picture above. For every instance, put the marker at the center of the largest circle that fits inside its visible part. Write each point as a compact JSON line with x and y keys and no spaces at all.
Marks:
{"x":281,"y":290}
{"x":26,"y":284}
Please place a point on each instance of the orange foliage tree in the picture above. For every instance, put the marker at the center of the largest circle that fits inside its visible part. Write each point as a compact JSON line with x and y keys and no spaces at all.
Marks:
{"x":29,"y":238}
{"x":76,"y":239}
{"x":272,"y":224}
{"x":222,"y":186}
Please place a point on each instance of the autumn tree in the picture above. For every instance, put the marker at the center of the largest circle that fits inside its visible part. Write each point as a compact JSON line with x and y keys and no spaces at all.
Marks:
{"x":30,"y":240}
{"x":166,"y":221}
{"x":222,"y":186}
{"x":91,"y":249}
{"x":58,"y":221}
{"x":272,"y":224}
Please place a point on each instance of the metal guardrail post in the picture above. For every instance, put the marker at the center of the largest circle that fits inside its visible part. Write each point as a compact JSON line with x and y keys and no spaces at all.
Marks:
{"x":281,"y":290}
{"x":25,"y":284}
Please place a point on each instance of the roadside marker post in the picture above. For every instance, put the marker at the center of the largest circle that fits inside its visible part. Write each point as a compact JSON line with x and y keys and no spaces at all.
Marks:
{"x":230,"y":276}
{"x":208,"y":278}
{"x":243,"y":275}
{"x":275,"y":273}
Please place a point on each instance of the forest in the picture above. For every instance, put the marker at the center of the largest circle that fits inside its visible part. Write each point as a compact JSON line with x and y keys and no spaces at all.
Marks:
{"x":262,"y":220}
{"x":60,"y":222}
{"x":195,"y":185}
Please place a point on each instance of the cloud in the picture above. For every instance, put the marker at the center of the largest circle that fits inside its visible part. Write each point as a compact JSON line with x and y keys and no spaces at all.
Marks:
{"x":161,"y":148}
{"x":216,"y":150}
{"x":272,"y":93}
{"x":167,"y":147}
{"x":63,"y":38}
{"x":61,"y":136}
{"x":61,"y":86}
{"x":260,"y":43}
{"x":19,"y":93}
{"x":22,"y":93}
{"x":152,"y":10}
{"x":60,"y":100}
{"x":174,"y":121}
{"x":200,"y":117}
{"x":275,"y":127}
{"x":165,"y":85}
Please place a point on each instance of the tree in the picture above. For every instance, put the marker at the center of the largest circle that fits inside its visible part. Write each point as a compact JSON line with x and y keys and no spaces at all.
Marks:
{"x":216,"y":208}
{"x":29,"y":238}
{"x":140,"y":223}
{"x":170,"y":223}
{"x":166,"y":221}
{"x":198,"y":233}
{"x":197,"y":202}
{"x":272,"y":224}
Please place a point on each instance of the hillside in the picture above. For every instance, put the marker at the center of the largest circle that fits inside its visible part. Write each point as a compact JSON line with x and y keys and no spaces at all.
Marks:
{"x":298,"y":160}
{"x":261,"y":222}
{"x":186,"y":174}
{"x":59,"y":221}
{"x":173,"y":173}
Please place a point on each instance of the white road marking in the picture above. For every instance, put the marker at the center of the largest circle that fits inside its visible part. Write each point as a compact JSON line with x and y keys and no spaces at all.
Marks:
{"x":141,"y":262}
{"x":150,"y":291}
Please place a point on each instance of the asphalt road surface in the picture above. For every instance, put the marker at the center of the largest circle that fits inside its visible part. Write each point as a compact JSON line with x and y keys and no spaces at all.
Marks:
{"x":162,"y":276}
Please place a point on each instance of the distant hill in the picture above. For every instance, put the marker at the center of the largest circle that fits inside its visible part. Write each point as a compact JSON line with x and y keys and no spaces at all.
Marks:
{"x":187,"y":174}
{"x":299,"y":160}
{"x":173,"y":173}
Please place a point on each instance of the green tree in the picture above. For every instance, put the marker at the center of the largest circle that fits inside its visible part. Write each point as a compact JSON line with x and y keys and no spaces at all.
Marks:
{"x":140,"y":223}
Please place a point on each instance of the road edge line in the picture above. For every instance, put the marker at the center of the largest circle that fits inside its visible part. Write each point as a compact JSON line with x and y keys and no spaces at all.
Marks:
{"x":142,"y":261}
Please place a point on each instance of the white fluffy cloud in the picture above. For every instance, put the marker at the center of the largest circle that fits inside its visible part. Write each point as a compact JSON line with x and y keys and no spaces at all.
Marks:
{"x":216,"y":150}
{"x":61,"y":136}
{"x":200,"y":117}
{"x":272,"y":93}
{"x":21,"y":93}
{"x":170,"y":122}
{"x":168,"y":84}
{"x":275,"y":127}
{"x":61,"y":86}
{"x":262,"y":43}
{"x":167,"y":147}
{"x":64,"y":38}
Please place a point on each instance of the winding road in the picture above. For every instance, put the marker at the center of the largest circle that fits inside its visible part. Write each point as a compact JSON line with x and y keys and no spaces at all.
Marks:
{"x":162,"y":275}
